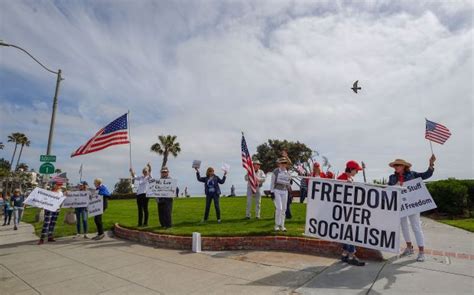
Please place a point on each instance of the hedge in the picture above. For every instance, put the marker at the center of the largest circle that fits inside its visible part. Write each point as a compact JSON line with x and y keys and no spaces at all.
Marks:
{"x":452,"y":196}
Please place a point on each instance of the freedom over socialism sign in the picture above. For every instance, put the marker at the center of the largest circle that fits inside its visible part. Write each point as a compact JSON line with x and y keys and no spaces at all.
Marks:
{"x":354,"y":213}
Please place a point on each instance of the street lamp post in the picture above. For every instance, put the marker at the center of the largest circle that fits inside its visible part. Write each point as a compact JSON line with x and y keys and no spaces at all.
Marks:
{"x":55,"y":99}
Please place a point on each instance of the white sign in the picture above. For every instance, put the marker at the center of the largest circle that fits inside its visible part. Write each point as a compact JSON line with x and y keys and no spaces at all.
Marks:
{"x":196,"y":164}
{"x":225,"y":167}
{"x":76,"y":199}
{"x":96,"y":205}
{"x":354,"y":213}
{"x":161,"y":188}
{"x":416,"y":198}
{"x":45,"y":199}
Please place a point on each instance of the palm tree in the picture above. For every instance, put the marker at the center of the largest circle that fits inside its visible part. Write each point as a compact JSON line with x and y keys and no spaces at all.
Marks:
{"x":166,"y":145}
{"x":23,"y":166}
{"x":23,"y":141}
{"x":14,"y":137}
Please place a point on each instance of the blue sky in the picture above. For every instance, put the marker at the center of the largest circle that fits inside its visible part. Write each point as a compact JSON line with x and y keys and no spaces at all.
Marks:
{"x":205,"y":70}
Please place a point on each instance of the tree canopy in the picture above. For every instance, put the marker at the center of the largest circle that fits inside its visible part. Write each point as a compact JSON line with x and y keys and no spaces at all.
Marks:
{"x":269,"y":152}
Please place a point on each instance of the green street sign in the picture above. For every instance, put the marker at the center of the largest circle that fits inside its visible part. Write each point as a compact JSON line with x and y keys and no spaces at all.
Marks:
{"x":47,"y":158}
{"x":46,"y":168}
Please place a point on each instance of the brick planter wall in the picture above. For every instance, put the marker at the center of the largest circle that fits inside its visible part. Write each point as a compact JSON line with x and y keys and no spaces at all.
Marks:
{"x":264,"y":243}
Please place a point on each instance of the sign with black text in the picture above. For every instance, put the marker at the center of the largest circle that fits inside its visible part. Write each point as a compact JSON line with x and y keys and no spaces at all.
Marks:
{"x":95,"y":206}
{"x":45,"y":199}
{"x":162,"y":188}
{"x":76,"y":199}
{"x":354,"y":213}
{"x":416,"y":198}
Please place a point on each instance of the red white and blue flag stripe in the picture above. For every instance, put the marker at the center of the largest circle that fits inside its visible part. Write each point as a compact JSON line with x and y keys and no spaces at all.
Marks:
{"x":248,"y":166}
{"x":436,"y":132}
{"x":113,"y":134}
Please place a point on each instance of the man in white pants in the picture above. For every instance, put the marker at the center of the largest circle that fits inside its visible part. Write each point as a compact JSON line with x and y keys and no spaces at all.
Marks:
{"x":279,"y":188}
{"x":260,"y":175}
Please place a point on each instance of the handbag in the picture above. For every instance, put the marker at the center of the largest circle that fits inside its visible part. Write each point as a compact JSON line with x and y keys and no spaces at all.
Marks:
{"x":70,"y":218}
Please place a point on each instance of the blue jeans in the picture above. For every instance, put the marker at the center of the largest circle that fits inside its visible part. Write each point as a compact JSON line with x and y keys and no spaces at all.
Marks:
{"x":81,"y":213}
{"x":209,"y":198}
{"x":351,"y":249}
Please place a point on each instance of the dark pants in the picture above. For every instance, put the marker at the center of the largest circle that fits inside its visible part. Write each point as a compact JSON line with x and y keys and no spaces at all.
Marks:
{"x":7,"y":216}
{"x":142,"y":204}
{"x":49,"y":223}
{"x":98,"y":220}
{"x":288,"y":209}
{"x":165,"y":210}
{"x":209,"y":199}
{"x":304,"y":192}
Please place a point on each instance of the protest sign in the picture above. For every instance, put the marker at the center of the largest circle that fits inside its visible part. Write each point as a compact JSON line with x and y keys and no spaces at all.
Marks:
{"x":225,"y":168}
{"x":45,"y":199}
{"x":96,"y":205}
{"x":161,"y":188}
{"x":196,"y":164}
{"x":76,"y":199}
{"x":354,"y":213}
{"x":416,"y":198}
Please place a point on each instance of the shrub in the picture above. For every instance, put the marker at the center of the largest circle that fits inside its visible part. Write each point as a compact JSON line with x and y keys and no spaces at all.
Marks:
{"x":450,"y":196}
{"x":469,"y":183}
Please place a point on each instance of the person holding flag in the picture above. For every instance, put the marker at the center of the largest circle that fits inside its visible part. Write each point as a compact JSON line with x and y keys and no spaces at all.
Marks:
{"x":253,"y":191}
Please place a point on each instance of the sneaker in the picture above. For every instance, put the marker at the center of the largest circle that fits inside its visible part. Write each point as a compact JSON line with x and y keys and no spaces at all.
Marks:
{"x":407,"y":252}
{"x":283,"y":228}
{"x":355,"y":261}
{"x":258,"y":217}
{"x":277,"y":228}
{"x":421,"y":257}
{"x":41,"y":242}
{"x":15,"y":228}
{"x":86,"y":237}
{"x":77,"y":236}
{"x":248,"y":217}
{"x":203,"y":221}
{"x":51,"y":239}
{"x":218,"y":221}
{"x":344,"y":258}
{"x":99,"y":237}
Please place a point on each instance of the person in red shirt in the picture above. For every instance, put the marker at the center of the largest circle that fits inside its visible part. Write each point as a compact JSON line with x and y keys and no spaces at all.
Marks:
{"x":348,"y":251}
{"x":329,"y":175}
{"x":317,"y":172}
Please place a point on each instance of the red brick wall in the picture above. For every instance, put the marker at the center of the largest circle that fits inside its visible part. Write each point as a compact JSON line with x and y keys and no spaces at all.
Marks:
{"x":280,"y":243}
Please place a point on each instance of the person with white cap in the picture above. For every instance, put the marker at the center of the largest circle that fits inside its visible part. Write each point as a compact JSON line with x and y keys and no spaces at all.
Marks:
{"x":142,"y":200}
{"x":279,"y":187}
{"x":260,"y":177}
{"x":403,"y":173}
{"x":50,"y":217}
{"x":165,"y":205}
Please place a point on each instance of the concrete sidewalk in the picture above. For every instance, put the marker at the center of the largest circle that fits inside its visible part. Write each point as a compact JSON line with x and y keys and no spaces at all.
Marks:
{"x":113,"y":266}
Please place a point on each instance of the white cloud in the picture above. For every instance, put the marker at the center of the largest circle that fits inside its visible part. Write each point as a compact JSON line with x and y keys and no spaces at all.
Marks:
{"x":206,"y":70}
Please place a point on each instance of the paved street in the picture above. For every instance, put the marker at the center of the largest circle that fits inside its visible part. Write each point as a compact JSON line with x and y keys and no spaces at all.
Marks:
{"x":113,"y":266}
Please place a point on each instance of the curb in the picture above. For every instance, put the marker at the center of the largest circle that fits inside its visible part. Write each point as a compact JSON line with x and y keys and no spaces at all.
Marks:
{"x":264,"y":243}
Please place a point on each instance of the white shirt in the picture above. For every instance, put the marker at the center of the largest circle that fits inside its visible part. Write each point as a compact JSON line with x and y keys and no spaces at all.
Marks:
{"x":142,"y":183}
{"x":260,"y":177}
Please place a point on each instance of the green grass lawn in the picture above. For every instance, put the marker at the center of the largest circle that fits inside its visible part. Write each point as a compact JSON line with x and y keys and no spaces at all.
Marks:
{"x":187,"y":214}
{"x":467,"y":224}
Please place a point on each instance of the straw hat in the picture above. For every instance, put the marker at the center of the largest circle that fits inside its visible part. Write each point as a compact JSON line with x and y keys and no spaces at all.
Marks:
{"x":400,"y":162}
{"x":256,"y":161}
{"x":165,"y":169}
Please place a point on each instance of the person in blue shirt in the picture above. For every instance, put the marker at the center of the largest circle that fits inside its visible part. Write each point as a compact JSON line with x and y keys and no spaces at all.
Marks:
{"x":212,"y":190}
{"x":104,"y":192}
{"x":7,"y":210}
{"x":18,"y":207}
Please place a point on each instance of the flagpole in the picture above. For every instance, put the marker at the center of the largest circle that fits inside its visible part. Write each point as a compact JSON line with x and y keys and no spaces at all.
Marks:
{"x":129,"y":138}
{"x":431,"y":146}
{"x":80,"y":174}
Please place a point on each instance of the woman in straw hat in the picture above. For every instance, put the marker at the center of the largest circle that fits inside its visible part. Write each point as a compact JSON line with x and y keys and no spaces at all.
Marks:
{"x":280,"y":184}
{"x":402,"y":174}
{"x":212,"y":190}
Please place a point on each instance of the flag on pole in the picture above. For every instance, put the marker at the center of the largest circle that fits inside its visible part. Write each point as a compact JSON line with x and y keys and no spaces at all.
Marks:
{"x":80,"y":170}
{"x":248,"y":165}
{"x":436,"y":132}
{"x":113,"y":134}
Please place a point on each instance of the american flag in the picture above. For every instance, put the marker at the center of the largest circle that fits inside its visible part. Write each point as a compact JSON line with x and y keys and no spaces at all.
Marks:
{"x":436,"y":132}
{"x":248,"y":165}
{"x":112,"y":134}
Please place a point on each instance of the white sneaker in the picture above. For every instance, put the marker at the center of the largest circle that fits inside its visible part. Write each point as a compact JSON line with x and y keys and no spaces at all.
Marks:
{"x":277,"y":228}
{"x":407,"y":252}
{"x":76,"y":236}
{"x":86,"y":237}
{"x":283,"y":228}
{"x":421,"y":257}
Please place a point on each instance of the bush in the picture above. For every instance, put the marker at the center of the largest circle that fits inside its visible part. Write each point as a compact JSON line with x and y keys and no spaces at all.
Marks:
{"x":469,"y":183}
{"x":115,"y":196}
{"x":451,"y":196}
